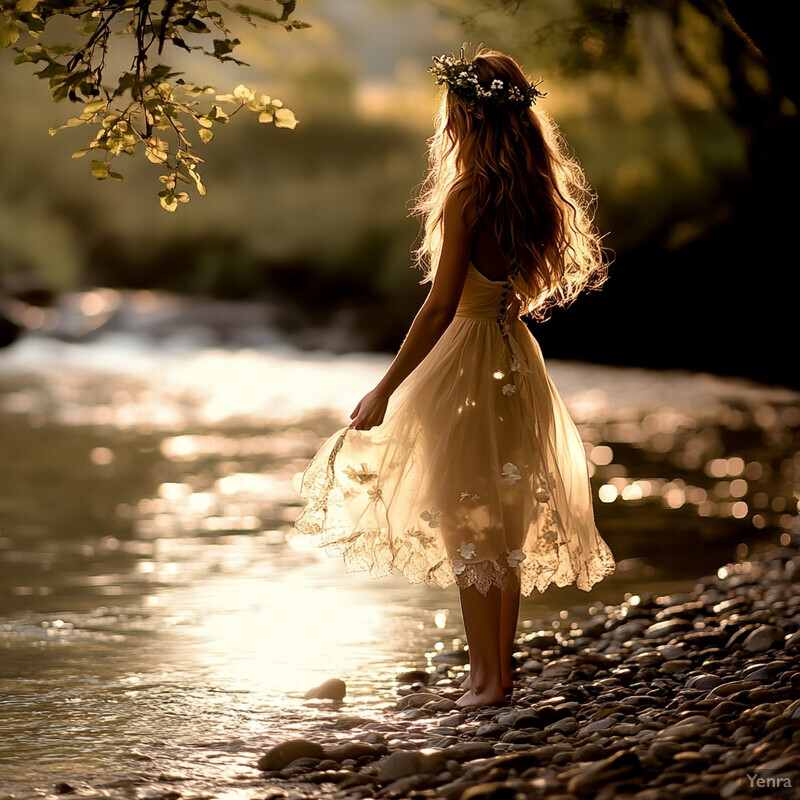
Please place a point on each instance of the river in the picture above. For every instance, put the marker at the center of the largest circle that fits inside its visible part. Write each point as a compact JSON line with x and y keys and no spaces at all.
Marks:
{"x":160,"y":624}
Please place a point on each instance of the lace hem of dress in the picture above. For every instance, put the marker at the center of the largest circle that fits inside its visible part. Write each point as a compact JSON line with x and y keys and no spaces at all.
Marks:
{"x":486,"y":574}
{"x":530,"y":576}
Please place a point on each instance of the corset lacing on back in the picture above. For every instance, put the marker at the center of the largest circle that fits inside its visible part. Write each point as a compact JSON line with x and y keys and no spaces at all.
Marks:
{"x":483,"y":298}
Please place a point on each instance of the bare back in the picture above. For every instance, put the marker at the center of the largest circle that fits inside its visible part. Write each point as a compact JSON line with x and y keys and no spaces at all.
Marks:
{"x":486,"y":255}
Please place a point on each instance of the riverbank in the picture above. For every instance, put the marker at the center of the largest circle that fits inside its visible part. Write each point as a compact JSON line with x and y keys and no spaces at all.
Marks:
{"x":690,"y":695}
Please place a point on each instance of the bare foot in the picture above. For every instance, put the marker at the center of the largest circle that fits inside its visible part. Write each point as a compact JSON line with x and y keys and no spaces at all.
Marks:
{"x":507,"y":683}
{"x":491,"y":696}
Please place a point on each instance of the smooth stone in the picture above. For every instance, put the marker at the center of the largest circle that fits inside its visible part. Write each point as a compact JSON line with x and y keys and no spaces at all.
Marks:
{"x":494,"y":790}
{"x":453,"y":721}
{"x":403,"y":763}
{"x":664,"y":751}
{"x":491,"y":731}
{"x":331,"y":689}
{"x":345,"y":723}
{"x":666,"y":628}
{"x":703,"y":681}
{"x":763,"y":638}
{"x":566,"y":725}
{"x":443,"y":741}
{"x":468,"y":751}
{"x":402,"y":787}
{"x":355,"y":751}
{"x":593,"y":628}
{"x":413,"y":676}
{"x":528,"y":736}
{"x":560,"y":668}
{"x":440,"y":705}
{"x":414,"y":714}
{"x":305,"y":762}
{"x":672,"y":651}
{"x":732,"y":687}
{"x":676,"y":665}
{"x":627,"y":728}
{"x":589,"y":752}
{"x":416,"y":700}
{"x":590,"y":780}
{"x":683,"y":731}
{"x":598,"y":725}
{"x":281,"y":755}
{"x":456,"y":658}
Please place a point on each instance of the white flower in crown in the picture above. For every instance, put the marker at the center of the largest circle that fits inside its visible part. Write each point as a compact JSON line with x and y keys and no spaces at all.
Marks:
{"x":511,"y":473}
{"x":509,"y":389}
{"x":457,"y":565}
{"x":465,"y":495}
{"x":515,"y":558}
{"x":467,"y":550}
{"x":431,"y":517}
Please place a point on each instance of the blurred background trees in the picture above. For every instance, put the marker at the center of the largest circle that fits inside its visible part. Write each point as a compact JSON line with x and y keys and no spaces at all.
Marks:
{"x":683,"y":113}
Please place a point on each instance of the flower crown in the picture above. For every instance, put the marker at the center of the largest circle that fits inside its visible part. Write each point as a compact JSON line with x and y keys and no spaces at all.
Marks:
{"x":461,"y":77}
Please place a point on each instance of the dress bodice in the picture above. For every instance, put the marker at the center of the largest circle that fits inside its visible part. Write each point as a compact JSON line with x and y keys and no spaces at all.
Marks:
{"x":483,"y":298}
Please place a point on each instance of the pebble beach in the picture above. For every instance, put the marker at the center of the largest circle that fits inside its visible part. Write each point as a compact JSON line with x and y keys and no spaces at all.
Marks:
{"x":693,"y":695}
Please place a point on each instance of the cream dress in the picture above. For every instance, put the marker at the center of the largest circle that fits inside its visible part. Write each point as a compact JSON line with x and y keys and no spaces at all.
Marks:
{"x":477,"y":470}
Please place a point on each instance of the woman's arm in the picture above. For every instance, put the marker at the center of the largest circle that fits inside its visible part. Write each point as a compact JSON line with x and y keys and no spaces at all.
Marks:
{"x":434,"y":316}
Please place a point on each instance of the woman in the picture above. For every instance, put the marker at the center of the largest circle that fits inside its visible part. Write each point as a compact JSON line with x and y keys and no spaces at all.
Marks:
{"x":463,"y":465}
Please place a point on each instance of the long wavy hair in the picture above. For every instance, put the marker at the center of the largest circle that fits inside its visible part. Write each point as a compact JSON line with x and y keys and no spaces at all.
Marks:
{"x":522,"y":186}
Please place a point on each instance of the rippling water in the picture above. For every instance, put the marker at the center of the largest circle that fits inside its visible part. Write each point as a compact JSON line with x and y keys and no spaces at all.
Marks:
{"x":158,"y":623}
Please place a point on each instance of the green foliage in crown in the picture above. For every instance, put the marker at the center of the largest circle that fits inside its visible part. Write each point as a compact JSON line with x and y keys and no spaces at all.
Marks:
{"x":461,"y":77}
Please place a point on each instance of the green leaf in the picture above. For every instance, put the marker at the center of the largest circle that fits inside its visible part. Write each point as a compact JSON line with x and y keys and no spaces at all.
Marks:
{"x":157,"y":150}
{"x":241,"y":92}
{"x":194,"y":25}
{"x":266,"y":116}
{"x":206,"y":135}
{"x":51,"y":70}
{"x":80,"y":153}
{"x":94,"y":106}
{"x":250,"y":11}
{"x":168,"y":201}
{"x":288,"y":8}
{"x":218,"y":115}
{"x":285,"y":118}
{"x":34,"y":53}
{"x":224,"y":46}
{"x":25,"y":6}
{"x":8,"y":35}
{"x":100,"y":170}
{"x":115,"y":175}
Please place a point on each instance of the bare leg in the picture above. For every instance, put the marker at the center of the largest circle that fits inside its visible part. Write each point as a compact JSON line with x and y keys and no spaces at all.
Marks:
{"x":482,"y":625}
{"x":509,"y":613}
